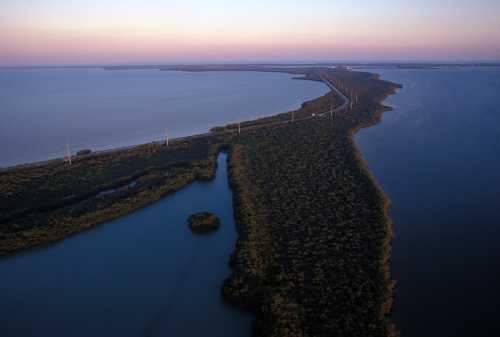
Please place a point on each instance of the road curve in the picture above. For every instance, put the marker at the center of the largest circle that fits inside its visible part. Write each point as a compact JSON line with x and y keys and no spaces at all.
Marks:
{"x":346,"y":100}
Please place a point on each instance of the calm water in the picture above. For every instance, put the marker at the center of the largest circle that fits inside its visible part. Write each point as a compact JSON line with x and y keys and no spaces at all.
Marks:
{"x":43,"y":109}
{"x":437,"y":157}
{"x":142,"y":275}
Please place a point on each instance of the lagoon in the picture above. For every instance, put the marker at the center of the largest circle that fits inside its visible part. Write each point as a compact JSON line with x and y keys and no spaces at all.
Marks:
{"x":145,"y":274}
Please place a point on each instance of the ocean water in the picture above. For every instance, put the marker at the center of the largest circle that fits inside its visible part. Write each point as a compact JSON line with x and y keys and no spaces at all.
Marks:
{"x":437,"y":157}
{"x":145,"y":274}
{"x":43,"y":109}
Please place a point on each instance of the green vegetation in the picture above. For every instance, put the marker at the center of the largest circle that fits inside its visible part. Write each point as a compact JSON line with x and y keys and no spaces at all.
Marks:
{"x":203,"y":222}
{"x":312,"y":258}
{"x":45,"y":203}
{"x":313,"y":252}
{"x":316,"y":261}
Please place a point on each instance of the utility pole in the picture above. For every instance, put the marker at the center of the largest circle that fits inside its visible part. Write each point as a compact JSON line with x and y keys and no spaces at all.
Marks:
{"x":293,"y":116}
{"x":239,"y":127}
{"x":68,"y":154}
{"x":166,"y":137}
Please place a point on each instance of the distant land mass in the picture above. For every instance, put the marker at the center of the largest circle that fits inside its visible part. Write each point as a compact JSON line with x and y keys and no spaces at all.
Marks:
{"x":260,"y":65}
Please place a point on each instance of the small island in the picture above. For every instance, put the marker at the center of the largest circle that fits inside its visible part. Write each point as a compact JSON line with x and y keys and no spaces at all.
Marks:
{"x":203,"y":222}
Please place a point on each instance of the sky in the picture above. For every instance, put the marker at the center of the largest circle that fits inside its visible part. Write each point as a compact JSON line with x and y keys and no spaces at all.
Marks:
{"x":74,"y":32}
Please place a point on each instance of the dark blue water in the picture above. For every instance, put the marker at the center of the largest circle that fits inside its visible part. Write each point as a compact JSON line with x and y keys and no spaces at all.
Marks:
{"x":43,"y":109}
{"x":145,"y":274}
{"x":437,"y":157}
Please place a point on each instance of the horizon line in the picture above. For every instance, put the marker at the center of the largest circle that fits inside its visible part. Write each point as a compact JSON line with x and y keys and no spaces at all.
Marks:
{"x":259,"y":62}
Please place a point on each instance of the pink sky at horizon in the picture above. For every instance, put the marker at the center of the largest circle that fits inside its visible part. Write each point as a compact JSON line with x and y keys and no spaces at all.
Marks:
{"x":54,"y":32}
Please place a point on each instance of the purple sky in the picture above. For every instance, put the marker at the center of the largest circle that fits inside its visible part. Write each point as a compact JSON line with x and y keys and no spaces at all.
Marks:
{"x":133,"y":31}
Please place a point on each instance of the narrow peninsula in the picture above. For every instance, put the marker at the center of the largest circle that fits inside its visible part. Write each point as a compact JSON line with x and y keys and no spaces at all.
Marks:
{"x":312,"y":257}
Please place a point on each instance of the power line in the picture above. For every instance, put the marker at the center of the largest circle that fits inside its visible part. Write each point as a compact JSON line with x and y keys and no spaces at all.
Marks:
{"x":68,"y":154}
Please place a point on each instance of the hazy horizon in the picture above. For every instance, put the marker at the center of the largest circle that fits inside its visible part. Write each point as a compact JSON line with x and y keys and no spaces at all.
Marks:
{"x":256,"y":62}
{"x":57,"y":32}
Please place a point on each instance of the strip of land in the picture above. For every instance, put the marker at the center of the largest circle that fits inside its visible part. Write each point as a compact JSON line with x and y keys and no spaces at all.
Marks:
{"x":314,"y":233}
{"x":314,"y":236}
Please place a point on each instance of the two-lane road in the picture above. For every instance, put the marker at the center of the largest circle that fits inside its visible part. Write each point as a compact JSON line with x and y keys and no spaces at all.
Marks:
{"x":346,"y":101}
